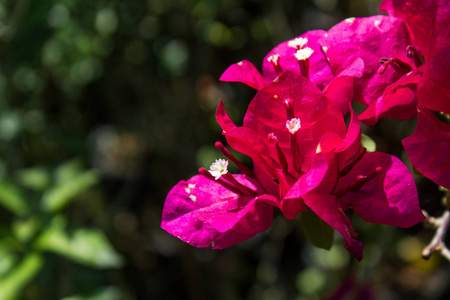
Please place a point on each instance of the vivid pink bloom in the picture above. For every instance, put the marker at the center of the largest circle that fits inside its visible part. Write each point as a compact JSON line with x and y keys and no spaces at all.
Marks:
{"x":420,"y":62}
{"x":413,"y":45}
{"x":301,"y":55}
{"x":303,"y":156}
{"x":370,"y":39}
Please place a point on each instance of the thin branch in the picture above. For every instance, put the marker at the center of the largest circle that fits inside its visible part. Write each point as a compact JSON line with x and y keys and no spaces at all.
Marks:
{"x":437,"y":243}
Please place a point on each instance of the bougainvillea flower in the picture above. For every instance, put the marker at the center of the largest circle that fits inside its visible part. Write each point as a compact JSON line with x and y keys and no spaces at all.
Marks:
{"x":376,"y":186}
{"x":429,"y":146}
{"x":301,"y":55}
{"x":426,"y":75}
{"x":303,"y":156}
{"x":370,"y":39}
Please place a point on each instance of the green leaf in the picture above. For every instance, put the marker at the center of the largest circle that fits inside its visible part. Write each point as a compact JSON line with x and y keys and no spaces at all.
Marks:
{"x":59,"y":196}
{"x":35,"y":178}
{"x":12,"y":199}
{"x":316,"y":230}
{"x":85,"y":246}
{"x":12,"y":284}
{"x":366,"y":141}
{"x":24,"y":230}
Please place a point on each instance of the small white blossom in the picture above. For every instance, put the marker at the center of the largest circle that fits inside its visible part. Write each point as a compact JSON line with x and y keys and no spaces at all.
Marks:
{"x":218,"y":168}
{"x":298,"y":43}
{"x":293,"y":125}
{"x":304,"y":53}
{"x":274,"y":59}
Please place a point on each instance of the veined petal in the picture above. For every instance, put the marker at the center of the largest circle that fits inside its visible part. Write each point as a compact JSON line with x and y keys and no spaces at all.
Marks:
{"x":340,"y":89}
{"x":204,"y":214}
{"x":389,"y":198}
{"x":368,"y":38}
{"x":428,"y":148}
{"x":428,"y":20}
{"x":398,"y":100}
{"x":433,"y":90}
{"x":244,"y":72}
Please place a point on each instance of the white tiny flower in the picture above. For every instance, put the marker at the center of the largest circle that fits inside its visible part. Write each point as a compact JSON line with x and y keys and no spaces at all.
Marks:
{"x":293,"y":125}
{"x":274,"y":59}
{"x":304,"y":53}
{"x":218,"y":168}
{"x":298,"y":43}
{"x":193,"y":198}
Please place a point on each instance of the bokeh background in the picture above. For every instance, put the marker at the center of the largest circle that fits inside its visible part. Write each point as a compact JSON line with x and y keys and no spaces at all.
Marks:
{"x":105,"y":105}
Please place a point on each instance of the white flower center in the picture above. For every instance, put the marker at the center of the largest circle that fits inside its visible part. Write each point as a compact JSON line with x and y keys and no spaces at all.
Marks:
{"x":218,"y":168}
{"x":298,"y":43}
{"x":304,"y":53}
{"x":293,"y":125}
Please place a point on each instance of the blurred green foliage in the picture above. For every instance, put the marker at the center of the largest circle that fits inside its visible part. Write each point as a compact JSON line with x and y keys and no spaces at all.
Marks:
{"x":105,"y":105}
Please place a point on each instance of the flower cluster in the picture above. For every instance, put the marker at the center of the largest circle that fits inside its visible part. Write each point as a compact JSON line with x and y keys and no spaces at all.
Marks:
{"x":306,"y":160}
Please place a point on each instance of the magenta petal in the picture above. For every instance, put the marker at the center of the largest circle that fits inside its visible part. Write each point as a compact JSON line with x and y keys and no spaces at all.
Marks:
{"x":370,"y":39}
{"x":389,"y":198}
{"x":320,"y":72}
{"x":434,"y":89}
{"x":429,"y":22}
{"x":398,"y":100}
{"x":340,"y":89}
{"x":326,"y":207}
{"x":291,"y":204}
{"x":266,"y":113}
{"x":428,"y":148}
{"x":244,"y":72}
{"x":393,"y":7}
{"x":352,"y":140}
{"x":223,"y":119}
{"x":204,"y":214}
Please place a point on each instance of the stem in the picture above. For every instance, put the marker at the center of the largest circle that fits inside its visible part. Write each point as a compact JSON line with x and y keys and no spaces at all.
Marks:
{"x":437,"y":243}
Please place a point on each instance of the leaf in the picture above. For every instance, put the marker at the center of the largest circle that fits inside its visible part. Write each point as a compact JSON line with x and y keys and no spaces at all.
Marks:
{"x":12,"y":199}
{"x":316,"y":230}
{"x":86,"y":246}
{"x":12,"y":284}
{"x":59,"y":196}
{"x":35,"y":178}
{"x":25,"y":229}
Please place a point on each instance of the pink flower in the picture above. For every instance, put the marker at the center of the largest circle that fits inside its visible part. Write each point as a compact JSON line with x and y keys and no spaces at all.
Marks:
{"x":413,"y":45}
{"x":370,"y":39}
{"x":415,"y":68}
{"x":303,"y":156}
{"x":301,"y":55}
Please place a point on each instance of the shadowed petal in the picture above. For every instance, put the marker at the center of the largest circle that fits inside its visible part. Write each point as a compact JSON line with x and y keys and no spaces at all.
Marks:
{"x":429,"y":22}
{"x":398,"y":100}
{"x":434,"y":89}
{"x":389,"y":198}
{"x":326,"y":207}
{"x":428,"y":148}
